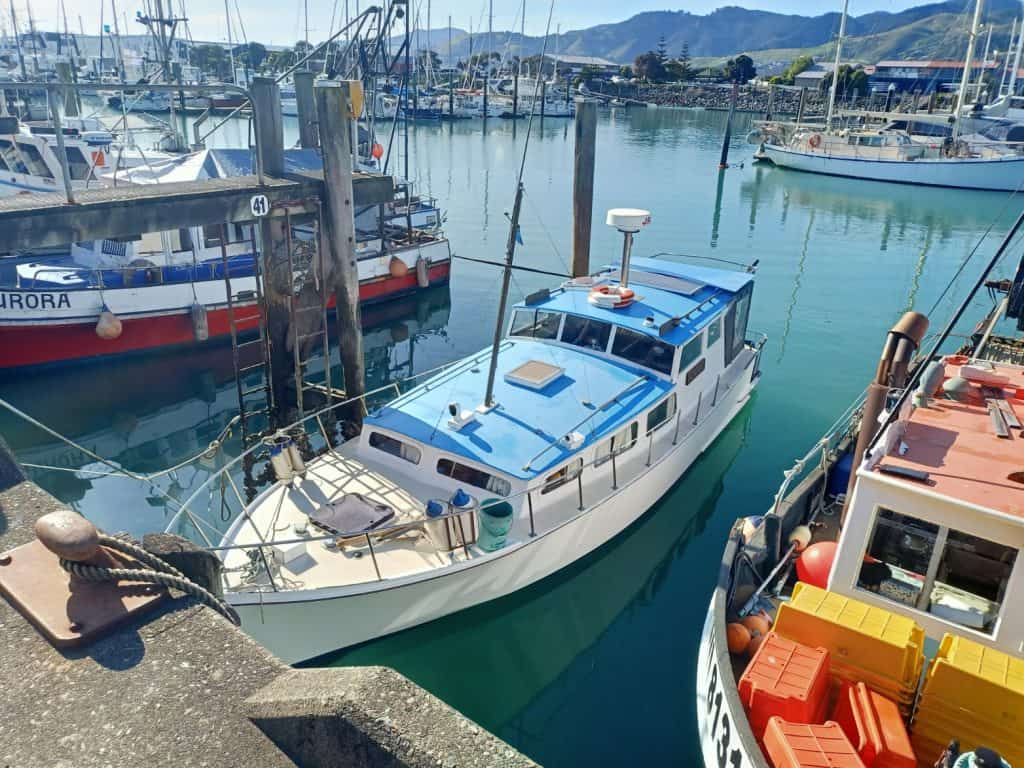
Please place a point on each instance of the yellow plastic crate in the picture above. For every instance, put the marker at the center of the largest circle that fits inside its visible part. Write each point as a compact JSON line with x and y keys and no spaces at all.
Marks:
{"x":880,"y":643}
{"x":985,"y":683}
{"x":933,"y":719}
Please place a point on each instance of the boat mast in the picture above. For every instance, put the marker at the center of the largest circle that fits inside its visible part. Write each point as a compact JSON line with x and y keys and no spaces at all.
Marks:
{"x":117,"y":39}
{"x":522,"y":38}
{"x":1009,"y":52}
{"x":17,"y":42}
{"x":984,"y":61}
{"x":102,"y":33}
{"x":965,"y":81}
{"x":231,"y":43}
{"x":1016,"y":61}
{"x":835,"y":69}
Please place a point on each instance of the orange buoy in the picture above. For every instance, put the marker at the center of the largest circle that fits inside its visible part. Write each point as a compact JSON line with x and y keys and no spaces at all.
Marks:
{"x":737,"y":636}
{"x":377,"y":151}
{"x":755,"y":644}
{"x":397,"y":267}
{"x":815,"y":564}
{"x":757,"y":625}
{"x":815,"y":140}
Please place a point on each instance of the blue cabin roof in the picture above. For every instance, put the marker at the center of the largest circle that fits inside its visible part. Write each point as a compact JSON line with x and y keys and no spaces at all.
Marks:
{"x":525,"y":421}
{"x":695,"y":294}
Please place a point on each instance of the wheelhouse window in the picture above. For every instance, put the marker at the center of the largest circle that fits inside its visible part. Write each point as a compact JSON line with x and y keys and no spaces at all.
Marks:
{"x":714,"y":331}
{"x":566,"y":474}
{"x":951,"y":574}
{"x":661,"y":413}
{"x":78,"y":165}
{"x":395,"y":447}
{"x":586,"y":332}
{"x":735,"y":331}
{"x":643,"y":350}
{"x":535,"y":323}
{"x":617,"y":444}
{"x":691,"y":351}
{"x":11,"y":157}
{"x":34,"y":161}
{"x":464,"y":473}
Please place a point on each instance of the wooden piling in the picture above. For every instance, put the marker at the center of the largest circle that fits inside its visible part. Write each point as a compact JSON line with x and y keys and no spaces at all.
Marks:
{"x":771,"y":102}
{"x":723,"y":161}
{"x":64,"y":74}
{"x":306,"y":105}
{"x":583,"y":186}
{"x":274,"y":240}
{"x":332,"y":103}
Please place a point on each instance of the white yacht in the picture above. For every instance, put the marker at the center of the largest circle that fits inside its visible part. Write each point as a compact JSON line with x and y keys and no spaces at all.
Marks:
{"x":496,"y":472}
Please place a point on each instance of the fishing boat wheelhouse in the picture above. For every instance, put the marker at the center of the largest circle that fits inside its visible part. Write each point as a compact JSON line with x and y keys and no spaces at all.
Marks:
{"x":919,"y":560}
{"x":446,"y":499}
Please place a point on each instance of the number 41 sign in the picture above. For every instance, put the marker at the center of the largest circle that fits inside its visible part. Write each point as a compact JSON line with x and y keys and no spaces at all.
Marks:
{"x":259,"y":205}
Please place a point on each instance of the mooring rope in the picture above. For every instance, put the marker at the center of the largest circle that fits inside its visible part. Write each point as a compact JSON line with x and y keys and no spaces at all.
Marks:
{"x":159,"y":572}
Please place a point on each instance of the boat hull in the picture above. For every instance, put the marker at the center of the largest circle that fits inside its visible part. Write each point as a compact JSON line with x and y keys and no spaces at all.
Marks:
{"x":1004,"y":175}
{"x":45,"y":327}
{"x":299,"y":625}
{"x":725,"y":736}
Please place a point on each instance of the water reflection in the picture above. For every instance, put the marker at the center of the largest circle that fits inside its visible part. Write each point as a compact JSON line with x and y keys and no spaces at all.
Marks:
{"x":156,"y":411}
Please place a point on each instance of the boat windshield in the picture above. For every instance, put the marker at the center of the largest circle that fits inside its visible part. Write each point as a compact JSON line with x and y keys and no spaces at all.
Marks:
{"x":535,"y":323}
{"x":643,"y":350}
{"x":949,"y":573}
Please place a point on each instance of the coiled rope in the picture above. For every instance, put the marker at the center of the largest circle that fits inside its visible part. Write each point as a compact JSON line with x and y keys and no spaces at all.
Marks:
{"x":159,"y":572}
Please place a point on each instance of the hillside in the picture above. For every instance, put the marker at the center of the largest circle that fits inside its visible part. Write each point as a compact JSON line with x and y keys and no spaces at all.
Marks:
{"x":935,"y":30}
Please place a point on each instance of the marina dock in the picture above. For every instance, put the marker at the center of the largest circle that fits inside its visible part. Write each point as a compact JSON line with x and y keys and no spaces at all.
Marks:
{"x":181,"y":686}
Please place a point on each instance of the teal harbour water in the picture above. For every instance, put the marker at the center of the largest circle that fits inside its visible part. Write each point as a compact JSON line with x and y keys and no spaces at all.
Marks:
{"x":594,"y":665}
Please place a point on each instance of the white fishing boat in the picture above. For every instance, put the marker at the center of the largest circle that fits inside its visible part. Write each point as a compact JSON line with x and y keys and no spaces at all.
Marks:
{"x":498,"y":471}
{"x":897,"y":641}
{"x":891,"y":155}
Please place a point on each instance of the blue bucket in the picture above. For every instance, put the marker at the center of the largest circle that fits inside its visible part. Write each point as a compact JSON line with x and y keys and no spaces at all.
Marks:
{"x":495,"y":523}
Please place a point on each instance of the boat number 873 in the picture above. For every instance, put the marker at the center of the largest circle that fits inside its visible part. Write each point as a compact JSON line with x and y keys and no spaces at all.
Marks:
{"x":720,"y":724}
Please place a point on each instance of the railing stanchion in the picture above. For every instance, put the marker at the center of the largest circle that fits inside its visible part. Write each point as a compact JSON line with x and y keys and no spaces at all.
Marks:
{"x":529,"y":506}
{"x":615,"y":473}
{"x":650,"y":447}
{"x":675,"y":431}
{"x":714,"y":397}
{"x":373,"y":556}
{"x":579,"y":485}
{"x":696,"y":413}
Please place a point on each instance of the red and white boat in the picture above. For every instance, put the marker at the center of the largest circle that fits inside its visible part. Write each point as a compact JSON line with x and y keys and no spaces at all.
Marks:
{"x":49,"y":308}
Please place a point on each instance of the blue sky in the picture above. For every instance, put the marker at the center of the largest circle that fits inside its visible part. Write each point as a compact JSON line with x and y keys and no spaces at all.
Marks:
{"x":281,"y":22}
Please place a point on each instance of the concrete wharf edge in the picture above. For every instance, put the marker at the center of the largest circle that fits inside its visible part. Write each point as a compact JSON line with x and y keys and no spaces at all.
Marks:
{"x":182,"y":687}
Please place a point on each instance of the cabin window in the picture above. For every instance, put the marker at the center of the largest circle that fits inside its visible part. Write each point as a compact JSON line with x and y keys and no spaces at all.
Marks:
{"x":395,"y":447}
{"x":212,"y":235}
{"x":586,"y":332}
{"x":643,"y":350}
{"x":696,"y":370}
{"x":953,"y":575}
{"x":11,"y":157}
{"x":661,"y":413}
{"x":735,"y":331}
{"x":617,"y":444}
{"x":464,"y":473}
{"x":78,"y":166}
{"x":535,"y":323}
{"x":714,"y":331}
{"x":691,"y":351}
{"x":36,"y":165}
{"x":566,"y":474}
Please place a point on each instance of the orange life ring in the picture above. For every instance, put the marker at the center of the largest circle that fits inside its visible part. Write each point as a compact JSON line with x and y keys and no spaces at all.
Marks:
{"x":815,"y":140}
{"x":620,"y":297}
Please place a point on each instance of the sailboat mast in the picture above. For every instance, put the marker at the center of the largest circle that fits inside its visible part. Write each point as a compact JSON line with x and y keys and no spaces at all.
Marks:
{"x":522,"y":38}
{"x":506,"y":280}
{"x":1016,"y":59}
{"x":117,"y":39}
{"x":965,"y":81}
{"x":984,"y":61}
{"x":835,"y":69}
{"x":17,"y":42}
{"x":1009,"y":53}
{"x":231,"y":43}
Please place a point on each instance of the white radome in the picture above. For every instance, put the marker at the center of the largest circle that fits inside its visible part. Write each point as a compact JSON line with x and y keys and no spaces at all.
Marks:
{"x":628,"y":219}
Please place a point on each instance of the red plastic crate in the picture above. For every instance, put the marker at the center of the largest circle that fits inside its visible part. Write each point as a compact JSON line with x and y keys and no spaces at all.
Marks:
{"x":798,"y":745}
{"x":875,"y":727}
{"x":785,"y":679}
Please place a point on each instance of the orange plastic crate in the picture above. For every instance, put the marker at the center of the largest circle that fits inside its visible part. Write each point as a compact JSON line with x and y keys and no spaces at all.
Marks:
{"x":875,"y":727}
{"x":785,"y":679}
{"x":798,"y":745}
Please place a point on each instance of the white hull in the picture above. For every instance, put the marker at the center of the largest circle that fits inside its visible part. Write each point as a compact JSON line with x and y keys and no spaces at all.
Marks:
{"x":299,"y":625}
{"x":717,"y":723}
{"x":1003,"y":174}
